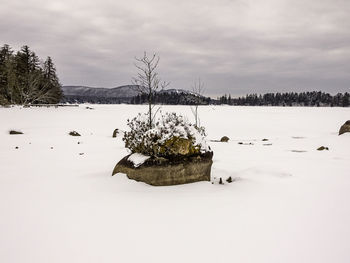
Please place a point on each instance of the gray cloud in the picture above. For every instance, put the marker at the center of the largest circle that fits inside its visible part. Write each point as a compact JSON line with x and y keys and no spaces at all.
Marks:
{"x":235,"y":47}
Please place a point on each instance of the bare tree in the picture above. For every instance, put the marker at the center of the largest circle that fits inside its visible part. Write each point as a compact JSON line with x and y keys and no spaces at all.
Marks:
{"x":197,"y":89}
{"x":148,"y":82}
{"x":39,"y":90}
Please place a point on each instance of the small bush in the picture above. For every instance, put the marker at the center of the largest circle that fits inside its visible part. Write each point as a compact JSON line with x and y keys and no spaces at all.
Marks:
{"x":171,"y":135}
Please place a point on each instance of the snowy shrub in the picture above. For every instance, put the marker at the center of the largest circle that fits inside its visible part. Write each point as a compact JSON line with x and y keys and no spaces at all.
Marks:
{"x":170,"y":135}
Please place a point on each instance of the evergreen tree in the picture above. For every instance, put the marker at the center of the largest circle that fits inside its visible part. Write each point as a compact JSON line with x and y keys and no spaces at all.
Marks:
{"x":24,"y":81}
{"x":346,"y":100}
{"x":53,"y":88}
{"x":5,"y":68}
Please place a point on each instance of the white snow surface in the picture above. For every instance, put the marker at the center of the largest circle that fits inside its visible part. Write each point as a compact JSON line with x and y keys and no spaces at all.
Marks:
{"x":288,"y":202}
{"x":137,"y":159}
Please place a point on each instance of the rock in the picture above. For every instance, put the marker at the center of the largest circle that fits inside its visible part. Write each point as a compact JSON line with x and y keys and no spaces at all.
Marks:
{"x":220,"y":181}
{"x":115,"y":133}
{"x":229,"y":180}
{"x":13,"y":132}
{"x":322,"y":148}
{"x":178,"y":146}
{"x":16,"y":147}
{"x":265,"y":140}
{"x":74,"y":133}
{"x":163,"y":172}
{"x":224,"y":139}
{"x":345,"y":128}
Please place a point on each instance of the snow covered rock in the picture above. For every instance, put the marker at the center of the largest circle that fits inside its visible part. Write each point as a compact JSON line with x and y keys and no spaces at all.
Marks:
{"x":160,"y":171}
{"x":345,"y":128}
{"x":171,"y":151}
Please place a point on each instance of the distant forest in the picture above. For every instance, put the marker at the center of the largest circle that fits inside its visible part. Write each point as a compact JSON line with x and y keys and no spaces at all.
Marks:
{"x":25,"y":79}
{"x":170,"y":98}
{"x":173,"y":98}
{"x":314,"y":98}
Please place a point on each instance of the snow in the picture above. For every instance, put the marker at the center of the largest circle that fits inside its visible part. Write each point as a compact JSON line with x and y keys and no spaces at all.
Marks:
{"x":137,"y":159}
{"x":288,"y":202}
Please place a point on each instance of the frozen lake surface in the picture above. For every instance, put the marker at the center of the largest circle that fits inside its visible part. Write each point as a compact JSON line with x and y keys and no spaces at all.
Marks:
{"x":288,"y":202}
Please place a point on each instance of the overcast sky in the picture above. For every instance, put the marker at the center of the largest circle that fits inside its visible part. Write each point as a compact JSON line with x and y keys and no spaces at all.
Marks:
{"x":237,"y":46}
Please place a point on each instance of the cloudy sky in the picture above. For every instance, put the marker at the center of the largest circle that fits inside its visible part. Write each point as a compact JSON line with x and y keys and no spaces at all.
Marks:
{"x":234,"y":46}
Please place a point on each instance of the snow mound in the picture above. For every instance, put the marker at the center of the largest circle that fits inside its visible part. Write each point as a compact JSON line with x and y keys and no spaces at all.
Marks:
{"x":138,"y":159}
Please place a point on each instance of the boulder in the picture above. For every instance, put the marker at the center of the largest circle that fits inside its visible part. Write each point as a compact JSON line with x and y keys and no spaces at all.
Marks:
{"x":177,"y":146}
{"x":224,"y":139}
{"x":160,"y":171}
{"x":345,"y":128}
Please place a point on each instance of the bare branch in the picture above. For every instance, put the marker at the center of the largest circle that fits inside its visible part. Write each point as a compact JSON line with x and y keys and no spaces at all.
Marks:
{"x":148,"y":81}
{"x":197,"y":89}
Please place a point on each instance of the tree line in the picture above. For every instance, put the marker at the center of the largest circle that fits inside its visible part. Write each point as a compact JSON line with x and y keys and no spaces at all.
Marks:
{"x":25,"y":79}
{"x":313,"y":98}
{"x":172,"y":98}
{"x":165,"y":98}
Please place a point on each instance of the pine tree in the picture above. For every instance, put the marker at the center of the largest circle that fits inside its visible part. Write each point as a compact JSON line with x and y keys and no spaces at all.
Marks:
{"x":24,"y":81}
{"x":5,"y":66}
{"x":346,"y":100}
{"x":53,"y":92}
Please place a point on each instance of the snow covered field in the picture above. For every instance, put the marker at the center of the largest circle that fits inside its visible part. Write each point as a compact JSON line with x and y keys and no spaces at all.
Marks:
{"x":288,"y":203}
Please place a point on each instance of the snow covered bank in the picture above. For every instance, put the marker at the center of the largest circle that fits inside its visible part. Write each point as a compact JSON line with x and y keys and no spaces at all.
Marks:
{"x":288,"y":203}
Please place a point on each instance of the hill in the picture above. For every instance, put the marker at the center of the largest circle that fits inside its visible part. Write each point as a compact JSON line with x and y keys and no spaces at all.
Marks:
{"x":127,"y":94}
